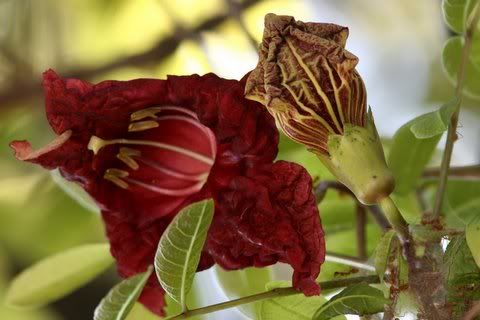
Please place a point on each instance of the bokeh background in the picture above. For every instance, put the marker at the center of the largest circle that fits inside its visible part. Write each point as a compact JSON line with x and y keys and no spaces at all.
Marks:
{"x":398,"y":41}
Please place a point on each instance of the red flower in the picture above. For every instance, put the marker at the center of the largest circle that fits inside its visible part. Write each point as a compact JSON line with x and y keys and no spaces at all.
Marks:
{"x":145,"y":148}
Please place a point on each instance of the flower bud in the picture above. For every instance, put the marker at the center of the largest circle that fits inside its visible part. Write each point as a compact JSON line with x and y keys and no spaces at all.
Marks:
{"x":308,"y":82}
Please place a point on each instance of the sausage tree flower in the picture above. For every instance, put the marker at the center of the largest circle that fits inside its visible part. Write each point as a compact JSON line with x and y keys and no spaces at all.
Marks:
{"x":144,"y":149}
{"x":308,"y":82}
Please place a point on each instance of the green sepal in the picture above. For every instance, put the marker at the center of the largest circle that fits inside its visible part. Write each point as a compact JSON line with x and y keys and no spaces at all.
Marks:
{"x":357,"y":160}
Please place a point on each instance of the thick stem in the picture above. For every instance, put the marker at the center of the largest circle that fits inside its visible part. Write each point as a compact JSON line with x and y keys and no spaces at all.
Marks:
{"x":452,"y":128}
{"x":361,"y":231}
{"x":396,"y":219}
{"x":275,"y":293}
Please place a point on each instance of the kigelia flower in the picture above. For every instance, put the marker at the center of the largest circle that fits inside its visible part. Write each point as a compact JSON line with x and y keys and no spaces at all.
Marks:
{"x":308,"y":82}
{"x":144,"y":149}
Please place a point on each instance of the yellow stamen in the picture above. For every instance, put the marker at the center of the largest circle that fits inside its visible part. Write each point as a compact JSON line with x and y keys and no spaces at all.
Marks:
{"x":126,"y":154}
{"x":115,"y":176}
{"x":97,"y":143}
{"x":142,"y":125}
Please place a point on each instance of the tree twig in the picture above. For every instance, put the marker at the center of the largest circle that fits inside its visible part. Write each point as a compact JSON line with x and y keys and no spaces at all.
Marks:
{"x":452,"y":128}
{"x":455,"y":172}
{"x":275,"y":293}
{"x":236,"y":12}
{"x":164,"y":48}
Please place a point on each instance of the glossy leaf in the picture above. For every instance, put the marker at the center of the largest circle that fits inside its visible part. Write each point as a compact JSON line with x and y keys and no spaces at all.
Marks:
{"x":434,"y":123}
{"x":456,"y":12}
{"x":409,"y":155}
{"x":453,"y":14}
{"x":180,"y":248}
{"x":58,"y":275}
{"x":472,"y":235}
{"x":240,"y":283}
{"x":451,"y":57}
{"x":359,"y":299}
{"x":383,"y":252}
{"x":291,"y":307}
{"x":118,"y":303}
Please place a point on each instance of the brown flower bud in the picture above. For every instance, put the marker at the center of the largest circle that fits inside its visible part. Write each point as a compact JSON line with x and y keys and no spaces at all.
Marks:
{"x":307,"y":80}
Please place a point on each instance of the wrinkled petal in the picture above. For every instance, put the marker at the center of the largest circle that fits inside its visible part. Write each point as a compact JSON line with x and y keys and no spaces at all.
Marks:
{"x":270,"y":216}
{"x":246,"y":144}
{"x":103,"y":109}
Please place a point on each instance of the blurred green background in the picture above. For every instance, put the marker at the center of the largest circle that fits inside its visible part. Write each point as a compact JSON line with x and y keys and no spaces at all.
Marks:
{"x":398,"y":42}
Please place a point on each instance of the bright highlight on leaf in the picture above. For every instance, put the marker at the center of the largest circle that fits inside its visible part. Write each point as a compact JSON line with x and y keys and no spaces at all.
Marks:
{"x":410,"y":154}
{"x":180,"y":248}
{"x":451,"y":57}
{"x":434,"y":123}
{"x":472,"y":233}
{"x":118,"y":303}
{"x":457,"y":14}
{"x":291,"y":307}
{"x":360,"y":299}
{"x":382,"y":253}
{"x":453,"y":14}
{"x":58,"y":275}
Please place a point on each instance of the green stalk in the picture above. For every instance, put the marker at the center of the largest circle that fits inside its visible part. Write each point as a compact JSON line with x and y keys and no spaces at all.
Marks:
{"x":275,"y":293}
{"x":396,"y":219}
{"x":452,"y":128}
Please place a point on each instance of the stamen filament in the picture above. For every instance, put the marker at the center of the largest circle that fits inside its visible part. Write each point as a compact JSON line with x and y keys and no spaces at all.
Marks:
{"x":97,"y":143}
{"x":169,"y":192}
{"x":174,"y":173}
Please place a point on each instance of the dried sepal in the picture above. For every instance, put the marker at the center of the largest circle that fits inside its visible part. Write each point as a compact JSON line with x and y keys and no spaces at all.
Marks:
{"x":307,"y":80}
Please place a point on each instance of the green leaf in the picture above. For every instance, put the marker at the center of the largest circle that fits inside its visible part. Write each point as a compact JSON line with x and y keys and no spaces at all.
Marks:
{"x":58,"y":275}
{"x":472,"y":234}
{"x":451,"y":57}
{"x":383,"y":252}
{"x":360,"y":299}
{"x":240,"y":283}
{"x":462,"y":200}
{"x":458,"y":261}
{"x":456,"y":12}
{"x":180,"y":248}
{"x":434,"y":123}
{"x":462,"y":276}
{"x":291,"y":307}
{"x":453,"y":13}
{"x":409,"y":155}
{"x":120,"y":300}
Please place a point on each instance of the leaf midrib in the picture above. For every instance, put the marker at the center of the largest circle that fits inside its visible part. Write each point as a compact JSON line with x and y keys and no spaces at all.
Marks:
{"x":133,"y":294}
{"x":340,"y":299}
{"x":188,"y":254}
